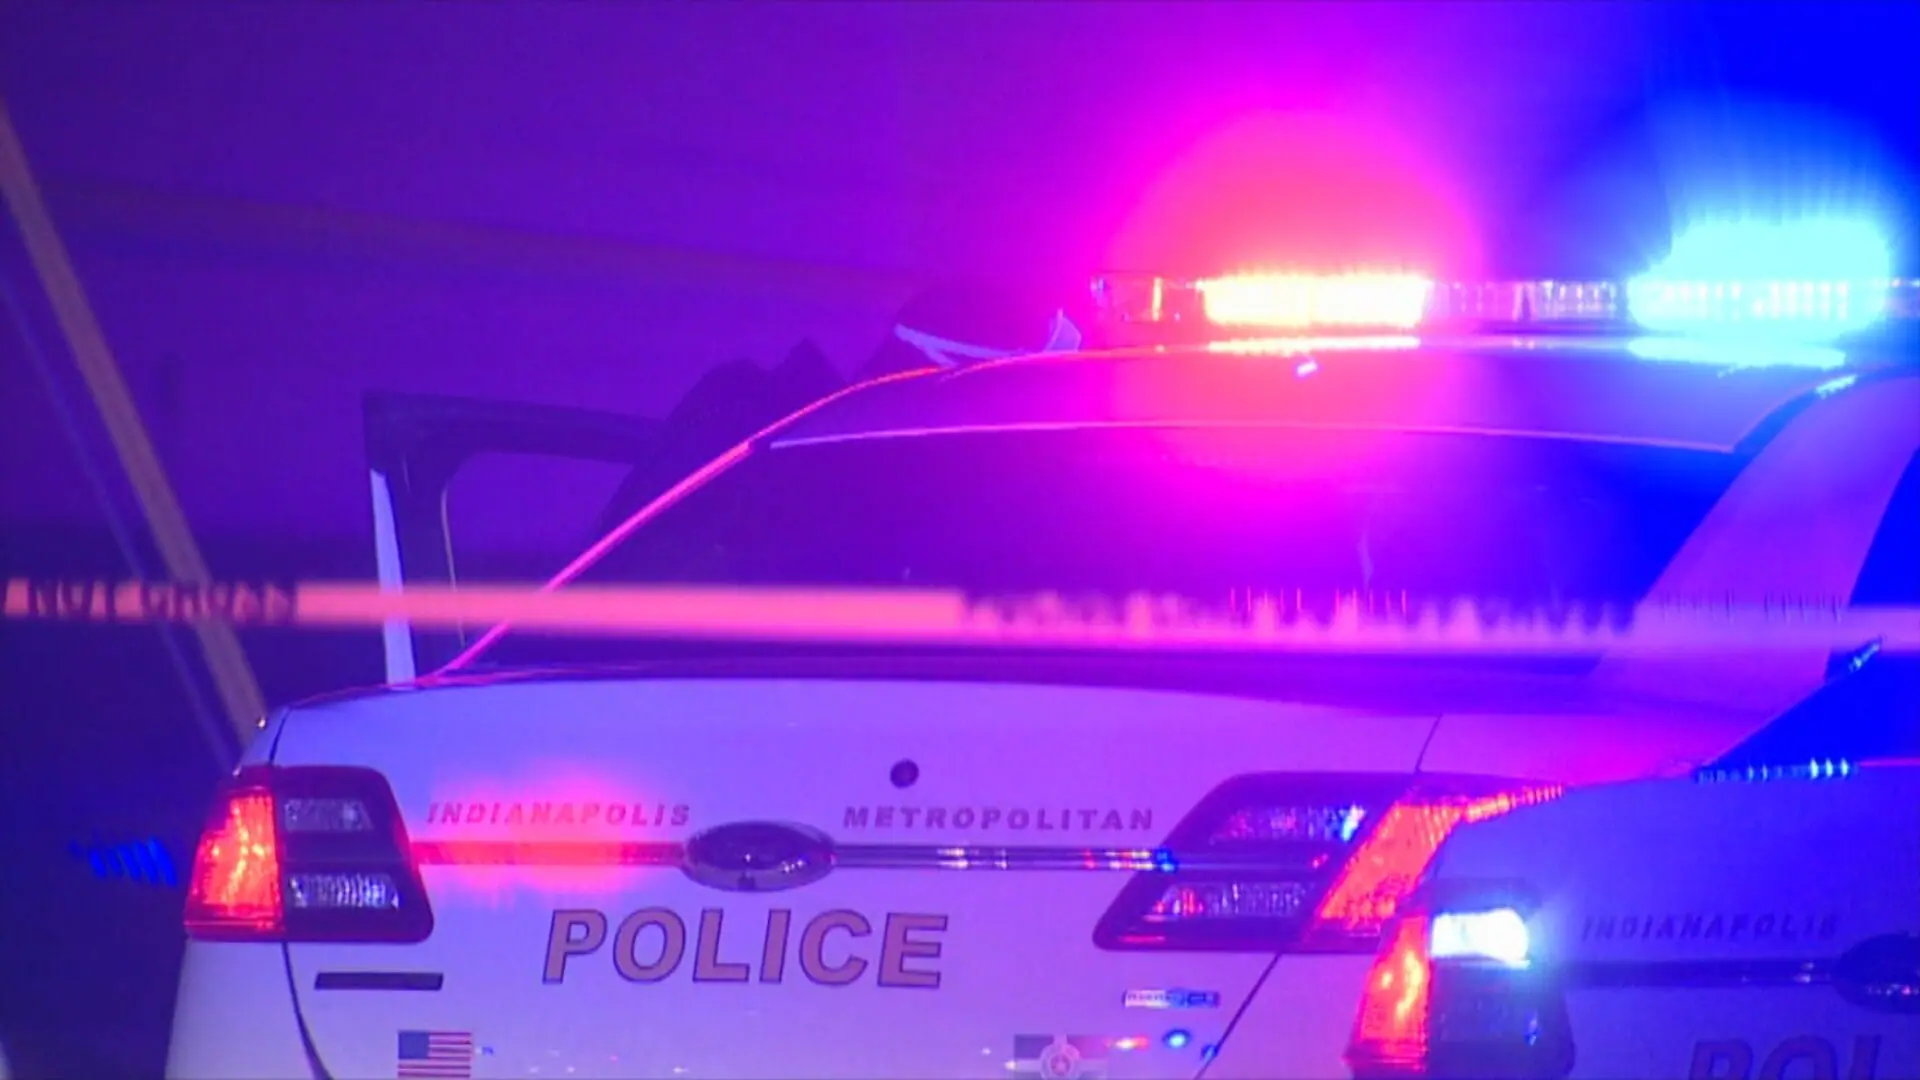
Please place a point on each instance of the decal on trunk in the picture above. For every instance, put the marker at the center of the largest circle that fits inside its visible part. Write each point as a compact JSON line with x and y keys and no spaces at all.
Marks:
{"x":424,"y":1054}
{"x":1018,"y":818}
{"x":1172,"y":999}
{"x":631,"y":815}
{"x":1802,"y":1055}
{"x":1703,"y":926}
{"x":831,"y":948}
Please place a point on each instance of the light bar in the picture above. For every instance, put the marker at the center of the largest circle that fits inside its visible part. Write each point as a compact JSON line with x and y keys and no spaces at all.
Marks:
{"x":1150,"y":309}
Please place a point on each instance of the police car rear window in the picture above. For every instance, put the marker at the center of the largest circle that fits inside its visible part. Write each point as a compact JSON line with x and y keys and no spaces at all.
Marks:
{"x":1198,"y":511}
{"x":1869,"y":708}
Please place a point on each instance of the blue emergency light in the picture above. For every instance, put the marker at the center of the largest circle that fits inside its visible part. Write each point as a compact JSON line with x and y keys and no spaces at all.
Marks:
{"x":1791,"y":286}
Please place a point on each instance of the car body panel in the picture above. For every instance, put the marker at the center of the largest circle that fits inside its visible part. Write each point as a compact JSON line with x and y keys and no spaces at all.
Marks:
{"x":1017,"y":953}
{"x":1696,"y":925}
{"x":242,"y":1022}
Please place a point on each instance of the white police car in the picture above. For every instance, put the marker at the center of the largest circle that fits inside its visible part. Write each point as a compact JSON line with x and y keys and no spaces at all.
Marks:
{"x":1759,"y":920}
{"x":587,"y":857}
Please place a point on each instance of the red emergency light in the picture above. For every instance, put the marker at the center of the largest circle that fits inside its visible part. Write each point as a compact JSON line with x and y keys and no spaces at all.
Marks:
{"x":1137,"y":309}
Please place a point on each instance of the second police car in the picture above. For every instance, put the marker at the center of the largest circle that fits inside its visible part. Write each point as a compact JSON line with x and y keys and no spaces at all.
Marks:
{"x":1759,"y":920}
{"x":581,"y":857}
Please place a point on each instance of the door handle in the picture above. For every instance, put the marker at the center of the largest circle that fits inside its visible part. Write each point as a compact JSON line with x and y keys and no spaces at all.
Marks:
{"x":1882,"y":974}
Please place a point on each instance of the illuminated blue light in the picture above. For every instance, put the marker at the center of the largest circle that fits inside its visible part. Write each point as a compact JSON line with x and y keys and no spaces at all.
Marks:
{"x":1833,"y":386}
{"x":1720,"y":353}
{"x":1809,"y":280}
{"x":1209,"y":1051}
{"x":1860,"y":659}
{"x":1178,"y":1038}
{"x":146,"y":862}
{"x":1816,"y":769}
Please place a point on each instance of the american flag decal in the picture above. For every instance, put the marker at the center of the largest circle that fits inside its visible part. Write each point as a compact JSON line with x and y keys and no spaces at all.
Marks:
{"x":436,"y":1054}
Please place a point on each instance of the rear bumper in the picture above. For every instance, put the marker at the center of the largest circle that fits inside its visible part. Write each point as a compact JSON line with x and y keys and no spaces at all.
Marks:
{"x":234,"y":1018}
{"x":1298,"y":1023}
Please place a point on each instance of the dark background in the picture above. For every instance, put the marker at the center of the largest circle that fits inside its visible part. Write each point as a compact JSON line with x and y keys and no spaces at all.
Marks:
{"x":278,"y":207}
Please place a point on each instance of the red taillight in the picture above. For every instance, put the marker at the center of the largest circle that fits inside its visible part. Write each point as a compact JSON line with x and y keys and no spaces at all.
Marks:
{"x":235,"y":891}
{"x":1384,"y":871}
{"x":1298,"y":862}
{"x":1450,"y":995}
{"x":306,"y":854}
{"x":1392,"y":1025}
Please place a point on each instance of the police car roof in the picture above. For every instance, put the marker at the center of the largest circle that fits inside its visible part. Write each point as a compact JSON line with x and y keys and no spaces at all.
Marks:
{"x":1590,"y":388}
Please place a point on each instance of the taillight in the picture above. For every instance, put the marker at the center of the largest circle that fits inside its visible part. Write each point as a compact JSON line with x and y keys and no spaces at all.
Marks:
{"x":235,"y":891}
{"x":1387,"y":867}
{"x":1453,"y":992}
{"x":1392,"y":1024}
{"x":312,"y":853}
{"x":1311,"y":863}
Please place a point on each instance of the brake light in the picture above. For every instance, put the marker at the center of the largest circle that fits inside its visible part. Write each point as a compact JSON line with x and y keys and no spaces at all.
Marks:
{"x":1392,"y":1024}
{"x":1452,"y":992}
{"x":1386,"y":869}
{"x":306,"y":854}
{"x":1373,"y":881}
{"x":1303,"y":863}
{"x":236,"y":871}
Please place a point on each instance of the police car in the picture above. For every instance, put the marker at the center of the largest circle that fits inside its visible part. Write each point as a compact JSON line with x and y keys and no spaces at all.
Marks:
{"x":1761,"y":919}
{"x":554,"y":856}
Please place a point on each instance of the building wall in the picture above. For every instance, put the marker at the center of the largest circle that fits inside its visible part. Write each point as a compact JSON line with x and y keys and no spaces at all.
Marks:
{"x":277,"y":207}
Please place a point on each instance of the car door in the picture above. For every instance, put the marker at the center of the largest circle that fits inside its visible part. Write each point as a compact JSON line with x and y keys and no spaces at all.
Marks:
{"x":419,"y":445}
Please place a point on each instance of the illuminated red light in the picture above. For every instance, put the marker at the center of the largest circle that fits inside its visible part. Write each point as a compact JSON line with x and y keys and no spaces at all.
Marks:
{"x":1348,"y":854}
{"x":309,"y":853}
{"x":1392,"y":1024}
{"x":1495,"y":805}
{"x":1383,"y":872}
{"x":1299,"y":301}
{"x":1385,"y":868}
{"x":236,"y":872}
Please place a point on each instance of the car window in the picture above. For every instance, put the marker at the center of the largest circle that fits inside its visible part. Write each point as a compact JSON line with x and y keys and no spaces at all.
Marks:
{"x":1870,"y":712}
{"x":1891,"y":573}
{"x":1524,"y":520}
{"x":1870,"y":706}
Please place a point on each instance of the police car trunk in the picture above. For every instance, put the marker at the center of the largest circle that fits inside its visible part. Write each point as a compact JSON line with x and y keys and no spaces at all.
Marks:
{"x":595,"y":857}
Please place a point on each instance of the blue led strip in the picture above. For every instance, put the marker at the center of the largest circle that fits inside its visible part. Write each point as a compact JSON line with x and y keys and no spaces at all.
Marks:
{"x":1828,"y":769}
{"x":144,"y":862}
